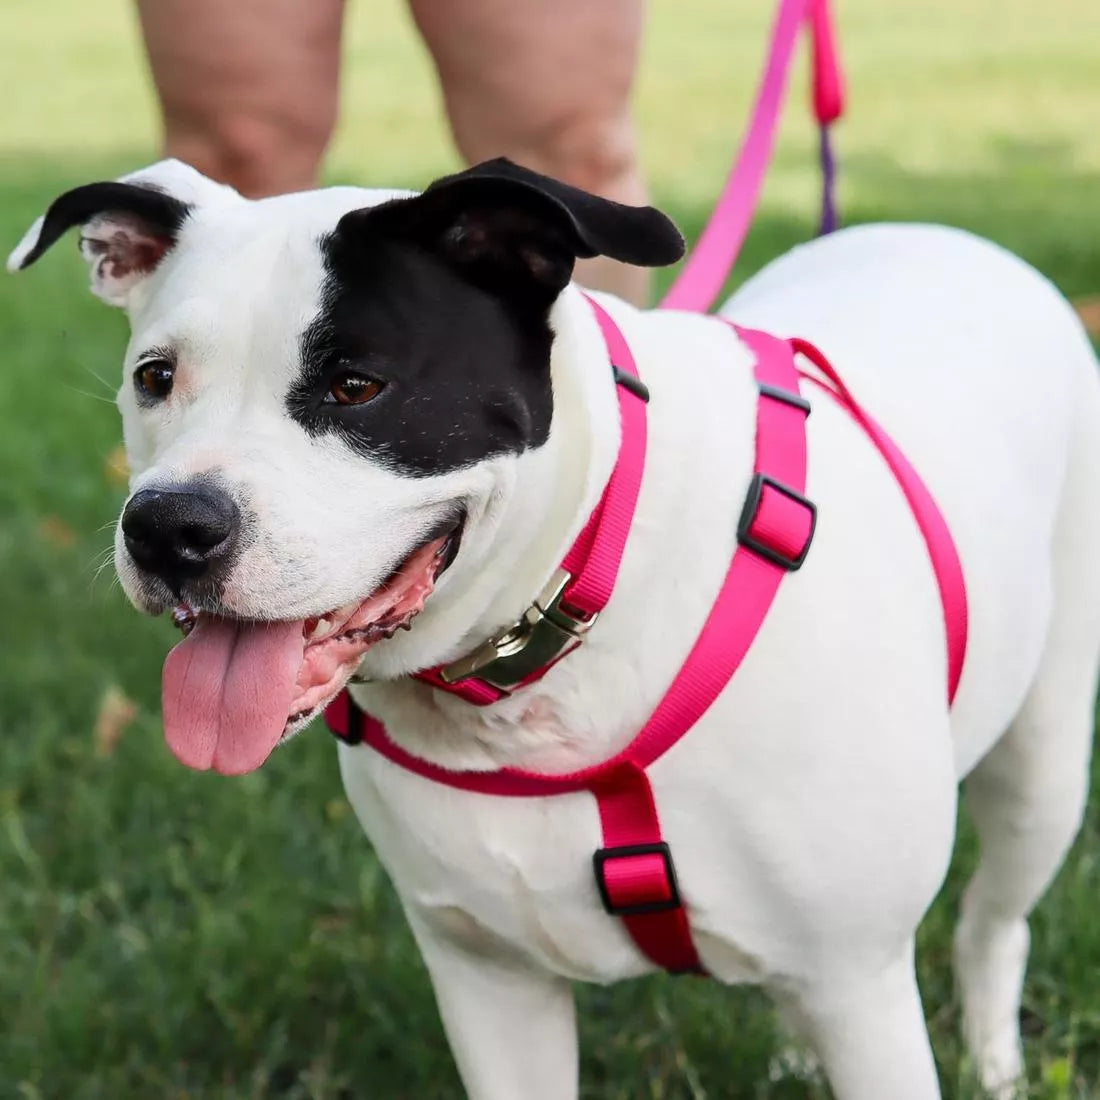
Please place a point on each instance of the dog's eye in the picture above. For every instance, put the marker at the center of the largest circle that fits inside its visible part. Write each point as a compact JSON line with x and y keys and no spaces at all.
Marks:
{"x":353,"y":389}
{"x":154,"y":378}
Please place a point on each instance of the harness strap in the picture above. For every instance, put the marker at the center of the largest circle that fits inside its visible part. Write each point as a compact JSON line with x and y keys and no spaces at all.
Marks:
{"x":774,"y":532}
{"x":634,"y":869}
{"x":933,"y":527}
{"x":594,"y":559}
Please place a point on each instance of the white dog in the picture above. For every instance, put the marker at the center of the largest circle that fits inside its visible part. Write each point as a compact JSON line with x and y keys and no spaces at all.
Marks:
{"x":336,"y":401}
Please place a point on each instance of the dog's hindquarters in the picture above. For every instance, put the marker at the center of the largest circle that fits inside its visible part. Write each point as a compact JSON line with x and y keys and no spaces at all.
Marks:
{"x":978,"y":368}
{"x":1028,"y":794}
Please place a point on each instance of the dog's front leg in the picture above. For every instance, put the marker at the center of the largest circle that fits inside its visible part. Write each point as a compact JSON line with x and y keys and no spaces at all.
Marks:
{"x":869,"y":1032}
{"x":511,"y":1025}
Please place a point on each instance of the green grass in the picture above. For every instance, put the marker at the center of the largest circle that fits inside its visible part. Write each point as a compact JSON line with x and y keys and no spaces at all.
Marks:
{"x":167,"y":934}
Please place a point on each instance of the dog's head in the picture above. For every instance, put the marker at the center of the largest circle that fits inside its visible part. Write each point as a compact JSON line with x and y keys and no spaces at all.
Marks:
{"x":324,"y":394}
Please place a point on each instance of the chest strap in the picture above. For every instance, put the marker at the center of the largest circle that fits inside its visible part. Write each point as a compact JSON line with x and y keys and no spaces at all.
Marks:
{"x":634,"y":869}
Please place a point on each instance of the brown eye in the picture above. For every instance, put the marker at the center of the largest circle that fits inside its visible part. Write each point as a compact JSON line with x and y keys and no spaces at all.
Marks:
{"x":353,"y":389}
{"x":154,"y":378}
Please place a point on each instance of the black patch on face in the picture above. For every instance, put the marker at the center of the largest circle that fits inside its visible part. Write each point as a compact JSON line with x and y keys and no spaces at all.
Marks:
{"x":444,"y":299}
{"x":466,"y":373}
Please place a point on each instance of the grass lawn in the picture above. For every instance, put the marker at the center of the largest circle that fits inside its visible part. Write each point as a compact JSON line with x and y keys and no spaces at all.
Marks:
{"x":165,"y":934}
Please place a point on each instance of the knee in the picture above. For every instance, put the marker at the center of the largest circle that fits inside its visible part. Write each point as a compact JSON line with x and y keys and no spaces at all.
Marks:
{"x":598,"y":155}
{"x":258,"y":152}
{"x":594,"y":154}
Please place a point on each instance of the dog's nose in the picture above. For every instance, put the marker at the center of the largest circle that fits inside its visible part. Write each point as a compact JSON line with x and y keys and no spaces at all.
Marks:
{"x":178,"y":535}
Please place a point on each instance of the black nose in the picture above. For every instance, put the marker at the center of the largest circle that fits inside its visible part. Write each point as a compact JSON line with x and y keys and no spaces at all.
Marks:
{"x":179,"y":535}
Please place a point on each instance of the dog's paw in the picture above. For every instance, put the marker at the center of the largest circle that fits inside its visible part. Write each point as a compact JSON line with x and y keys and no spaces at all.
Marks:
{"x":1001,"y":1071}
{"x":796,"y":1063}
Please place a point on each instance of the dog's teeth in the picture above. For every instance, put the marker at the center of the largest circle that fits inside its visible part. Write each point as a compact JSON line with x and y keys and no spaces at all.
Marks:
{"x":184,"y":618}
{"x":321,"y":631}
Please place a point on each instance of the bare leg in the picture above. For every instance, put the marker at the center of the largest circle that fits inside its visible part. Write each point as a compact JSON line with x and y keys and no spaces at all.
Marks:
{"x":546,"y":83}
{"x":248,"y":88}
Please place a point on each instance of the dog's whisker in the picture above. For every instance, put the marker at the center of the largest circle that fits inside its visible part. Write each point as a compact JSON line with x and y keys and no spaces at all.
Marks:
{"x":106,"y":562}
{"x":93,"y":396}
{"x":101,"y":556}
{"x":99,"y":378}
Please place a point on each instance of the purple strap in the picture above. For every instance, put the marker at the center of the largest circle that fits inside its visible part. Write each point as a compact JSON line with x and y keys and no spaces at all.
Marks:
{"x":828,"y":183}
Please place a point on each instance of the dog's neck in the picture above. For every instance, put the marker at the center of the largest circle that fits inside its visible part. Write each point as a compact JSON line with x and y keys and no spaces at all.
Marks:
{"x":557,"y":486}
{"x":524,"y":529}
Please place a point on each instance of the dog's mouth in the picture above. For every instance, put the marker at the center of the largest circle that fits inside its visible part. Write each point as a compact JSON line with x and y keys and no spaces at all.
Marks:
{"x":233,"y":688}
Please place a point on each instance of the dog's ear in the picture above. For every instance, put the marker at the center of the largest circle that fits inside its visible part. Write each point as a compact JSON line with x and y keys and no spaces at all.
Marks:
{"x":128,"y":225}
{"x":519,"y":231}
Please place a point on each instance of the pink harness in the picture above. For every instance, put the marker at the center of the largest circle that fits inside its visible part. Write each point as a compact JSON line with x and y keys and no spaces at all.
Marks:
{"x":634,"y":869}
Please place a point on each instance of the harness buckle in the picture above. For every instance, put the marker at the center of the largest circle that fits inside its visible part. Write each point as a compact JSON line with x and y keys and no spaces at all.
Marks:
{"x":642,"y":879}
{"x":782,"y":535}
{"x":786,"y":397}
{"x":546,"y":633}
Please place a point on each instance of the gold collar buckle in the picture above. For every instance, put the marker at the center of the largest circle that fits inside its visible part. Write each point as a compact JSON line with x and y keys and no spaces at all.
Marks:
{"x":546,"y":633}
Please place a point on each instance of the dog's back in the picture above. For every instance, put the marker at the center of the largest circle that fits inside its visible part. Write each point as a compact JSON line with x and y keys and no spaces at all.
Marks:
{"x":982,"y":373}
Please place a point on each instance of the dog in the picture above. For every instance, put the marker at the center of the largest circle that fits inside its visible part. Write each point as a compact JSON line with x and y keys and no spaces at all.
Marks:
{"x":353,"y":411}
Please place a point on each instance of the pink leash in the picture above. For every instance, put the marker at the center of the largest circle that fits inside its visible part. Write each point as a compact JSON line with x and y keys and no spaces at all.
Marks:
{"x":707,"y":267}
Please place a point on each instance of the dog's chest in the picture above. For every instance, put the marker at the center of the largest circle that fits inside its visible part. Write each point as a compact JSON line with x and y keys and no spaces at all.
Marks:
{"x":493,"y":873}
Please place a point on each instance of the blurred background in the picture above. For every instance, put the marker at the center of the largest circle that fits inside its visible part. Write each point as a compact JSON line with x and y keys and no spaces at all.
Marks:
{"x":168,"y":934}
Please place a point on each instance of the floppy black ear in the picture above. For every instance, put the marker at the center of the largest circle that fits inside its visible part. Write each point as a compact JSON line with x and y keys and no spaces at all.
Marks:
{"x":501,"y":223}
{"x":128,"y":225}
{"x":136,"y":224}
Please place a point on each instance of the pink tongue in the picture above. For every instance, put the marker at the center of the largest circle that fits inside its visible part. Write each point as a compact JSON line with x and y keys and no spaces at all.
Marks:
{"x":227,"y":690}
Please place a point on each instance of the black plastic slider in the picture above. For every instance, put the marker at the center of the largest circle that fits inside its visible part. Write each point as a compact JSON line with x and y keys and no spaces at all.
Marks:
{"x":629,"y":382}
{"x":788,"y":397}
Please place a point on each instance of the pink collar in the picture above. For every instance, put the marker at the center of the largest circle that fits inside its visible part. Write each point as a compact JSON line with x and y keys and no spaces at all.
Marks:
{"x":556,"y":622}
